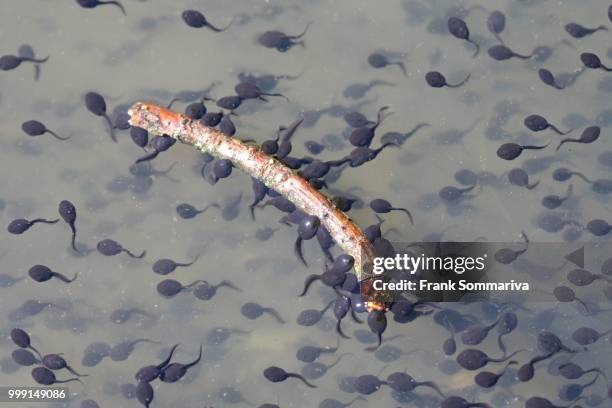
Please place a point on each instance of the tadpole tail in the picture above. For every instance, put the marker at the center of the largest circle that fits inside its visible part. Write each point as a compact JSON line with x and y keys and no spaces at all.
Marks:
{"x":339,"y":330}
{"x":535,"y":147}
{"x":274,"y":314}
{"x":566,"y":141}
{"x":309,"y":280}
{"x":75,"y":373}
{"x":374,"y":348}
{"x":192,"y":284}
{"x":295,"y":37}
{"x":167,"y":360}
{"x":354,"y":316}
{"x":289,"y":77}
{"x":73,"y":239}
{"x":252,"y":209}
{"x":274,"y":94}
{"x":290,"y":131}
{"x":337,"y":163}
{"x":331,"y":302}
{"x":172,"y":101}
{"x":36,"y":60}
{"x":151,"y":156}
{"x":384,"y":146}
{"x":114,"y":3}
{"x":586,"y":307}
{"x":467,"y":78}
{"x":36,"y":72}
{"x":468,"y":189}
{"x":557,"y":86}
{"x":299,"y":377}
{"x":506,"y":358}
{"x":557,"y":131}
{"x":416,"y":129}
{"x":44,"y":221}
{"x":522,"y":56}
{"x":477,"y":51}
{"x":433,"y":386}
{"x":165,"y":172}
{"x":196,"y":257}
{"x":36,"y":351}
{"x":63,"y":278}
{"x":591,"y":382}
{"x":583,"y":177}
{"x":218,"y":30}
{"x":402,"y":67}
{"x":228,"y":284}
{"x":67,"y":381}
{"x":502,"y":346}
{"x":326,"y":252}
{"x":214,"y":28}
{"x":194,"y":362}
{"x":55,"y":135}
{"x":532,"y":186}
{"x":407,"y":213}
{"x":605,"y":68}
{"x":111,"y":128}
{"x":134,"y":256}
{"x":380,"y":116}
{"x":297,"y":250}
{"x":598,"y":371}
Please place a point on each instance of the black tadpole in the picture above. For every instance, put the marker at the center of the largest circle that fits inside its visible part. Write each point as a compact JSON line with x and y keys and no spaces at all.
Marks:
{"x":592,"y":61}
{"x":502,"y":53}
{"x":159,"y":144}
{"x":36,"y":128}
{"x":537,"y":123}
{"x":510,"y":151}
{"x":589,"y":135}
{"x":109,"y":247}
{"x":377,"y":321}
{"x":195,"y":19}
{"x":377,"y":60}
{"x":548,"y":78}
{"x":9,"y":62}
{"x":27,"y":52}
{"x":437,"y":80}
{"x":22,"y":339}
{"x":579,"y":31}
{"x":459,"y":29}
{"x":44,"y":376}
{"x":248,"y":90}
{"x":381,"y":206}
{"x":96,"y":3}
{"x":57,"y":362}
{"x":41,"y":273}
{"x":96,"y":104}
{"x":151,"y":372}
{"x":276,"y":374}
{"x":67,"y":211}
{"x":496,"y":22}
{"x":21,"y":225}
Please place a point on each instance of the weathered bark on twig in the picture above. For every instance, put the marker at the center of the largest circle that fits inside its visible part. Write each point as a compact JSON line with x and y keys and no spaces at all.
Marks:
{"x":275,"y":175}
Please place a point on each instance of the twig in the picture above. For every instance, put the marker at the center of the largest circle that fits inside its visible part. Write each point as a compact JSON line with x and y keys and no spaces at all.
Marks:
{"x":275,"y":175}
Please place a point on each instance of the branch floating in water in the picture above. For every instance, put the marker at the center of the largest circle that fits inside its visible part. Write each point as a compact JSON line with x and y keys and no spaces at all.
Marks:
{"x":275,"y":175}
